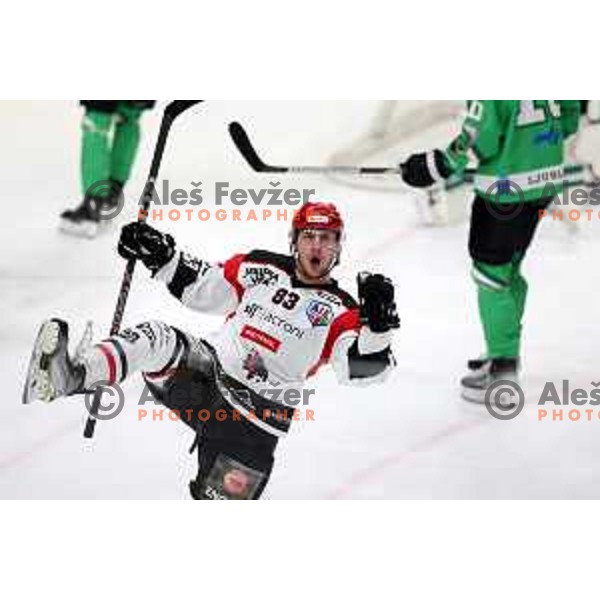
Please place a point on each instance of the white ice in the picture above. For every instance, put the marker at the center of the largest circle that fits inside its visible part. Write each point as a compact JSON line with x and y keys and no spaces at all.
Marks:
{"x":411,"y":438}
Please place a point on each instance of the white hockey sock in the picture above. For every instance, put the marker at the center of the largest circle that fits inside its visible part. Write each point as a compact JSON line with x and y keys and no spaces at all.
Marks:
{"x":148,"y":347}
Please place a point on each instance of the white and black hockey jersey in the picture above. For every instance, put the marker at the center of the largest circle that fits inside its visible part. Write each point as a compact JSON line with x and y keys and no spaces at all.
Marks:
{"x":279,"y":331}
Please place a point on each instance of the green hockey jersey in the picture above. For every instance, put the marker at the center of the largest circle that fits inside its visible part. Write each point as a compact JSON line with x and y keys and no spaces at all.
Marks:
{"x":518,"y":146}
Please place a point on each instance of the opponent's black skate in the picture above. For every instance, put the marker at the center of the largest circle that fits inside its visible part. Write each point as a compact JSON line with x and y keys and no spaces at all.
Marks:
{"x":83,"y":221}
{"x":477,"y":366}
{"x":485,"y":372}
{"x":86,"y":219}
{"x":52,"y":374}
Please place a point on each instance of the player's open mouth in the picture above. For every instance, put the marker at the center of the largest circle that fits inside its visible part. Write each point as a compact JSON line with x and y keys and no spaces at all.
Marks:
{"x":315,"y":262}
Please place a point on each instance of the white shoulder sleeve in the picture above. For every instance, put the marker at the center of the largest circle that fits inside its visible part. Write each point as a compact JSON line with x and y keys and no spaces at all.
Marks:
{"x":202,"y":286}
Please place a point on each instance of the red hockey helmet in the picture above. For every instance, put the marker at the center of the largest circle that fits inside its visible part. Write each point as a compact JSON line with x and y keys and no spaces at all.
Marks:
{"x":317,"y":215}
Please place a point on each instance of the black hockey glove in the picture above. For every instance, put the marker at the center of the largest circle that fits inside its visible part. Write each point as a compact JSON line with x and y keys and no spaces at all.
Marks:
{"x":377,"y":306}
{"x":425,"y":169}
{"x":142,"y":242}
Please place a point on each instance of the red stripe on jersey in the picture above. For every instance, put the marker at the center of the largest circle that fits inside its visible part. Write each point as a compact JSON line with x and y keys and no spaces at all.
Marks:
{"x":112,"y":363}
{"x":261,"y":338}
{"x":313,"y":370}
{"x":347,"y":321}
{"x":231,"y":270}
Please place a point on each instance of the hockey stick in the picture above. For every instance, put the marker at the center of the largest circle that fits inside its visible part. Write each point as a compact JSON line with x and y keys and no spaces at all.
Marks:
{"x":172,"y":111}
{"x":244,"y":145}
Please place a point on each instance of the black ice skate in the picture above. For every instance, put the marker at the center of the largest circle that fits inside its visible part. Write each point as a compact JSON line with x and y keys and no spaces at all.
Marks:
{"x":478,"y":365}
{"x":52,"y":374}
{"x":83,"y":221}
{"x":485,"y":372}
{"x":86,"y":219}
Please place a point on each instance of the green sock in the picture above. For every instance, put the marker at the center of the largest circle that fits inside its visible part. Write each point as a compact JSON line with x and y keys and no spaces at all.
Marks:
{"x":126,"y":142}
{"x":95,"y":149}
{"x":500,"y":308}
{"x":519,"y":289}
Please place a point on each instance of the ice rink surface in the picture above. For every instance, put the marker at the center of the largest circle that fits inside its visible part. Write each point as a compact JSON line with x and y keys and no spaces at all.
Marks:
{"x":412,"y":438}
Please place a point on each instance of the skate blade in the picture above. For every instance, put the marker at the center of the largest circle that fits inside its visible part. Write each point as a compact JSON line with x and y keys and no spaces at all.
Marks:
{"x":479,"y":397}
{"x":473,"y":396}
{"x":85,"y":230}
{"x":38,"y":386}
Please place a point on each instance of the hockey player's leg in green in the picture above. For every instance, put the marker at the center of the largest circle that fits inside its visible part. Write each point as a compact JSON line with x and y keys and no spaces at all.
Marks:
{"x":519,"y":289}
{"x":95,"y":149}
{"x":500,"y":308}
{"x":95,"y":171}
{"x":501,"y":293}
{"x":126,"y":142}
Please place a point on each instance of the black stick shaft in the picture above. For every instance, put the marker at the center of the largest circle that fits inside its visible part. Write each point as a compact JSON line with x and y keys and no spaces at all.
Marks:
{"x":172,"y":111}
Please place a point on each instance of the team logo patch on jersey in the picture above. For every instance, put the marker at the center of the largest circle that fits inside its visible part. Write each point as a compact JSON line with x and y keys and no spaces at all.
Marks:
{"x":319,"y":314}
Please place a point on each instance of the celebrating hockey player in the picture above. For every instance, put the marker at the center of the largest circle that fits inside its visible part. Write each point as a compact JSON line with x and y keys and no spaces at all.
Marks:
{"x":519,"y":149}
{"x":110,"y":140}
{"x":286,"y":318}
